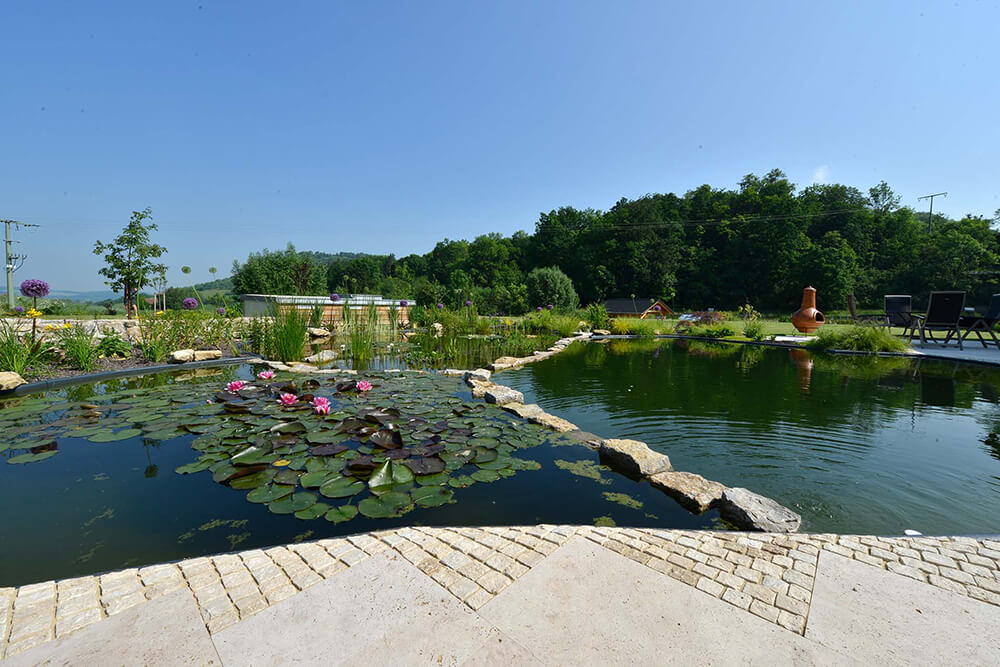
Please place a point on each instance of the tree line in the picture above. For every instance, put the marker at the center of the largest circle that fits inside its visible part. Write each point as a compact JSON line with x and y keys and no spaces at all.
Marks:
{"x":761,"y":243}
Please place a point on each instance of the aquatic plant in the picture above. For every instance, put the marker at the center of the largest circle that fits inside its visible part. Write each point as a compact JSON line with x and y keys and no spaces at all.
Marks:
{"x":235,"y":386}
{"x":288,"y":400}
{"x":858,"y":338}
{"x":17,"y":352}
{"x":321,"y":405}
{"x":364,"y":385}
{"x":266,"y":375}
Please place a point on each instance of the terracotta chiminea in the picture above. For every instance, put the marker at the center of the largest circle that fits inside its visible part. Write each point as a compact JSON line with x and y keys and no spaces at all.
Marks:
{"x":807,"y":319}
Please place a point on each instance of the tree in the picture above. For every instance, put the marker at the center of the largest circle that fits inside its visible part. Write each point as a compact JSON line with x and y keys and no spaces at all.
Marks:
{"x":279,"y":272}
{"x":550,"y":286}
{"x":129,"y":259}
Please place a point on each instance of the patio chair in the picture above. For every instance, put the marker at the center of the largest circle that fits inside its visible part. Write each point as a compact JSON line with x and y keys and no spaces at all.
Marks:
{"x":944,"y":310}
{"x":977,"y":324}
{"x":898,"y":313}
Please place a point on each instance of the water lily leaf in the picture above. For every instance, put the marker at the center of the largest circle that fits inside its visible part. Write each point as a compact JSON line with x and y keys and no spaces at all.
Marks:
{"x":253,"y":480}
{"x":293,"y":503}
{"x":425,"y":465}
{"x":485,"y":476}
{"x":324,"y":437}
{"x":196,"y":466}
{"x":329,"y":450}
{"x":289,"y":428}
{"x":341,"y":487}
{"x":223,"y":471}
{"x":461,"y":481}
{"x":387,"y":438}
{"x":286,"y":477}
{"x":385,"y":506}
{"x":341,"y":514}
{"x":269,"y":493}
{"x":108,"y":436}
{"x":314,"y":512}
{"x":500,"y":463}
{"x":252,"y":455}
{"x":362,"y":465}
{"x":431,"y":496}
{"x":30,"y":457}
{"x":316,"y":478}
{"x":484,"y":455}
{"x":432,"y":480}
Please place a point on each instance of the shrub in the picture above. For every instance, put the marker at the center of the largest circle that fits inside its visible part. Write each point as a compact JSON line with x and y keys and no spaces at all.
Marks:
{"x":548,"y":286}
{"x":718,"y":330}
{"x":857,"y":338}
{"x":633,"y":326}
{"x":597,"y":315}
{"x":753,"y":329}
{"x":113,"y":345}
{"x":17,"y":353}
{"x":78,"y":345}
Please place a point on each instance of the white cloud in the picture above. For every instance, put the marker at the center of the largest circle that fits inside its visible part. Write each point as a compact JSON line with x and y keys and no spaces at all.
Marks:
{"x":821,"y":174}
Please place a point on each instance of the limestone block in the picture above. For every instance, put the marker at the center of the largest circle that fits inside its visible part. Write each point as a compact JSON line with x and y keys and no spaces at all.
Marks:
{"x":634,"y":458}
{"x":750,"y":511}
{"x":181,"y":356}
{"x":692,"y":491}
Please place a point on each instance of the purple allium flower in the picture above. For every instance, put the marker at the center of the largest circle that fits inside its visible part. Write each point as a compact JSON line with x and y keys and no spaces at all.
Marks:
{"x":440,"y":306}
{"x":221,"y":311}
{"x":550,"y":306}
{"x":538,"y":309}
{"x":404,"y":303}
{"x":334,"y":297}
{"x":656,"y":307}
{"x":190,"y":303}
{"x":468,"y":303}
{"x":36,"y":289}
{"x":19,"y":310}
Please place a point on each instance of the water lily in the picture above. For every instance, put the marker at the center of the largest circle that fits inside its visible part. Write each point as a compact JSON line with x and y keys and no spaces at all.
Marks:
{"x":321,"y":405}
{"x":235,"y":386}
{"x":364,"y":385}
{"x":266,"y":375}
{"x":288,"y":400}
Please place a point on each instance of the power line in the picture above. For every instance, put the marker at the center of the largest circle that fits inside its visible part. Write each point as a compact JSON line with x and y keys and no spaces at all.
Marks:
{"x":930,"y":217}
{"x":12,"y":262}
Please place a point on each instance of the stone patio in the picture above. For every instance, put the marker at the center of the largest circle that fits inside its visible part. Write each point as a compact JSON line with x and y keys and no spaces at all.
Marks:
{"x":528,"y":595}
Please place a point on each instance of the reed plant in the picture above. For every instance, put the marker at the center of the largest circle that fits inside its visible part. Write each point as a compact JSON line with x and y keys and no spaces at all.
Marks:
{"x":79,"y":346}
{"x":289,"y":333}
{"x":17,"y":352}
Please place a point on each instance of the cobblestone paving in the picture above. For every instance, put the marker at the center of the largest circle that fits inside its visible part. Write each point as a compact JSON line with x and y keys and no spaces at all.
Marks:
{"x":768,"y":575}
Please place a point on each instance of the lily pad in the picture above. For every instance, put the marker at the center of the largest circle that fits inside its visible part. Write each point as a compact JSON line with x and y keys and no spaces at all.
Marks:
{"x":431,"y":496}
{"x":485,"y":476}
{"x":342,"y":487}
{"x":388,"y":505}
{"x":314,"y":512}
{"x":30,"y":457}
{"x":108,"y":436}
{"x":253,"y":480}
{"x":425,"y":465}
{"x":342,"y":514}
{"x":293,"y":503}
{"x":269,"y":493}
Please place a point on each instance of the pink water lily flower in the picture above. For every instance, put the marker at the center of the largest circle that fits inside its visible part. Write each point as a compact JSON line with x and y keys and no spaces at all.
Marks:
{"x":364,"y":385}
{"x":288,"y":399}
{"x":321,"y":405}
{"x":266,"y":375}
{"x":235,"y":386}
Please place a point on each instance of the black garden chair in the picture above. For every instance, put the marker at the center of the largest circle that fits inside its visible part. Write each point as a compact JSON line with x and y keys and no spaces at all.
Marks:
{"x":944,"y":310}
{"x":898,"y":313}
{"x":977,"y":324}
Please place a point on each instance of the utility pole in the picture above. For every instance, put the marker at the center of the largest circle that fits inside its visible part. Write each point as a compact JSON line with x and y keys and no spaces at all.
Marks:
{"x":930,"y":218}
{"x":12,"y":262}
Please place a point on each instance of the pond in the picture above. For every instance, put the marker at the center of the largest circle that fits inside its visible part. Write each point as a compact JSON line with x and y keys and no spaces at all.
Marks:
{"x":136,"y":471}
{"x":854,"y":444}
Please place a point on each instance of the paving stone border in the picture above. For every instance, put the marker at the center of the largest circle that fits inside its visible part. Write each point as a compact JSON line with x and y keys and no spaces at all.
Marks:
{"x":768,"y":575}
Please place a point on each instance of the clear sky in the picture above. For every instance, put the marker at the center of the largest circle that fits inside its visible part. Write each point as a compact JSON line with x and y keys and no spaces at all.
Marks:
{"x":386,"y":126}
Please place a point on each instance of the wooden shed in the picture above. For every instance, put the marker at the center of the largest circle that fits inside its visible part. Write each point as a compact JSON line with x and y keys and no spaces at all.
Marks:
{"x":641,"y":308}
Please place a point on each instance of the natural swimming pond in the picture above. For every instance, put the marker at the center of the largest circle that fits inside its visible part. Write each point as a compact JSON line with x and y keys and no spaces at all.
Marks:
{"x":854,"y":444}
{"x":130,"y":472}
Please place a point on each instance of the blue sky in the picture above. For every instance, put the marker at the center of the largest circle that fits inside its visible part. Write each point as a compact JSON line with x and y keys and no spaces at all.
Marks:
{"x":386,"y":126}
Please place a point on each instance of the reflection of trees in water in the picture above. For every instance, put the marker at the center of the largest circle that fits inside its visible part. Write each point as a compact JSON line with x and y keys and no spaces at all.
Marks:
{"x":757,"y":386}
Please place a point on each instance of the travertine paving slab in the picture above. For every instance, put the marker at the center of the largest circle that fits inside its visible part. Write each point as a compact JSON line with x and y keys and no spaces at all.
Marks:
{"x":381,"y":611}
{"x":585,"y":604}
{"x":165,"y":631}
{"x":881,"y":617}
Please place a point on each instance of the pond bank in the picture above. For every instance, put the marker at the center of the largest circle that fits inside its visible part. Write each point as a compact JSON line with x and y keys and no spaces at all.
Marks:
{"x":496,"y":595}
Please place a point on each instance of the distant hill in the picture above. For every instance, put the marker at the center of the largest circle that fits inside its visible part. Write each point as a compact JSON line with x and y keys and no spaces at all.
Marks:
{"x":223,"y":284}
{"x":70,"y":295}
{"x":333,"y":258}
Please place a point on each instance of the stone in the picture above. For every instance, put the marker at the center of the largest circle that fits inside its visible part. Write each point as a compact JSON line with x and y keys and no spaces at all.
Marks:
{"x":10,"y":380}
{"x":500,"y":395}
{"x":479,"y":389}
{"x":181,"y":356}
{"x":602,"y":332}
{"x":480,"y":373}
{"x":692,"y":491}
{"x":438,"y":329}
{"x":507,"y":361}
{"x":452,"y":372}
{"x":634,"y":458}
{"x":750,"y":511}
{"x":552,"y":422}
{"x":318,"y":332}
{"x":207,"y":355}
{"x":322,"y":357}
{"x":524,"y":411}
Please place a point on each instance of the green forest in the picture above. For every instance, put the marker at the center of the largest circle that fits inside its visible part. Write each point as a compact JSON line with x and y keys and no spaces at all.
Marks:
{"x":761,"y":243}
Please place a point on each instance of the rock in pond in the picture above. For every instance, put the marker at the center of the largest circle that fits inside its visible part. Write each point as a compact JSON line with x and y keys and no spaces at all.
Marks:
{"x":692,"y":491}
{"x":318,"y":332}
{"x":750,"y":511}
{"x":601,"y":332}
{"x":478,"y":375}
{"x":322,"y":357}
{"x":181,"y":356}
{"x":10,"y":380}
{"x":552,"y":422}
{"x":501,"y":395}
{"x":634,"y":458}
{"x":207,"y":355}
{"x":525,"y":411}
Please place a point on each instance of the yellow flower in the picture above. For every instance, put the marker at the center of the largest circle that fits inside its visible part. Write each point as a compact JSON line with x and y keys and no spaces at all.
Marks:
{"x":67,"y":325}
{"x":49,"y":327}
{"x":33,"y":313}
